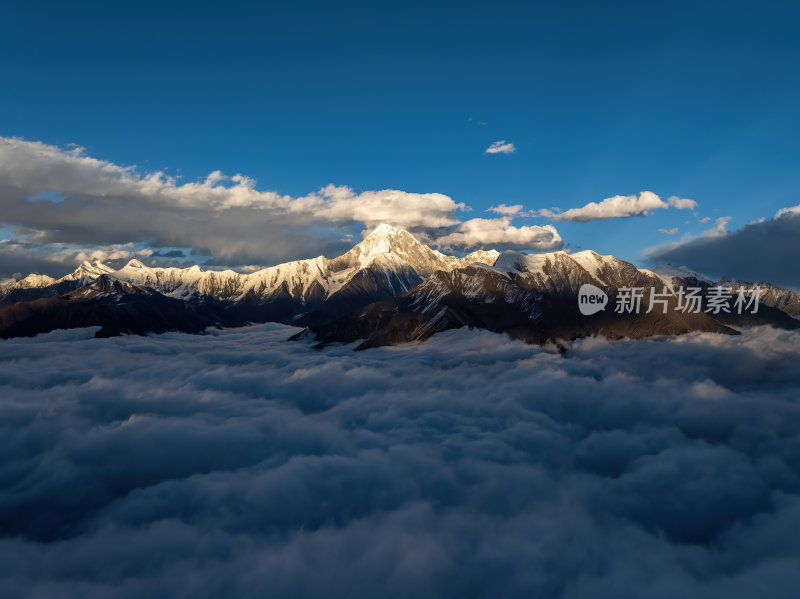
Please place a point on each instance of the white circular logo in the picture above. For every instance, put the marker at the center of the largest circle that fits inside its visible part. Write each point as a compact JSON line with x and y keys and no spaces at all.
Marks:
{"x":591,"y":299}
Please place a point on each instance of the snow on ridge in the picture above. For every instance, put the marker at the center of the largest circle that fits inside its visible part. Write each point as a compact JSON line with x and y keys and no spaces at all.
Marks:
{"x":666,"y":271}
{"x":386,"y":248}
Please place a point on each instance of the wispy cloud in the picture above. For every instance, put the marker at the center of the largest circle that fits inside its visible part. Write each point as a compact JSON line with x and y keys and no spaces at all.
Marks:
{"x":501,"y":147}
{"x":720,"y":227}
{"x":505,"y":210}
{"x":681,"y":203}
{"x":672,"y":231}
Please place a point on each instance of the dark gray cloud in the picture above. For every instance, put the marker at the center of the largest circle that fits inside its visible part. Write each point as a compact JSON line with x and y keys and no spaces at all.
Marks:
{"x":765,"y":250}
{"x":55,"y":259}
{"x":236,"y":464}
{"x":169,"y":254}
{"x":22,"y":258}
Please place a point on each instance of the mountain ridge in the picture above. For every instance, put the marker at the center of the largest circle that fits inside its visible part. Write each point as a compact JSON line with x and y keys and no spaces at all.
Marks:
{"x":534,"y":298}
{"x":388,"y":281}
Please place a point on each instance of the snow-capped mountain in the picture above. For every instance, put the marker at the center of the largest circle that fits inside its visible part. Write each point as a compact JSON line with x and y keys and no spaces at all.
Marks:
{"x":667,"y":272}
{"x":534,"y":297}
{"x":386,"y":263}
{"x":88,"y":271}
{"x":771,"y":295}
{"x":392,"y":252}
{"x":114,"y":306}
{"x":388,"y":288}
{"x":32,"y":281}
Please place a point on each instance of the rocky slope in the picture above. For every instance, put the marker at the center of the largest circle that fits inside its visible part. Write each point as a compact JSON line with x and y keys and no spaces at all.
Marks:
{"x":116,"y":307}
{"x":535,"y":298}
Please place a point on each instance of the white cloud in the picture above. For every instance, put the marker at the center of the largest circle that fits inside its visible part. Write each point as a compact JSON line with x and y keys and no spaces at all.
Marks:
{"x":720,"y":227}
{"x":501,"y":147}
{"x":505,"y":210}
{"x":681,"y":203}
{"x":668,"y":231}
{"x":400,"y":208}
{"x":704,"y":220}
{"x":214,"y":178}
{"x":790,"y":210}
{"x":618,"y":207}
{"x":547,"y":212}
{"x":615,"y":207}
{"x":482,"y":232}
{"x":225,"y":217}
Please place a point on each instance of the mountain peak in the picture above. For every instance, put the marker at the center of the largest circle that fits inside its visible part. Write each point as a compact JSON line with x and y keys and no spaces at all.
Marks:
{"x":33,"y":280}
{"x":385,"y":239}
{"x":386,"y":230}
{"x":87,"y":269}
{"x":387,"y":236}
{"x":134,"y":263}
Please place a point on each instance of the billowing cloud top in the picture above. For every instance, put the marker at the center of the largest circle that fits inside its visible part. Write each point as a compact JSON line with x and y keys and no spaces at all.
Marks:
{"x":66,"y":201}
{"x":471,"y":465}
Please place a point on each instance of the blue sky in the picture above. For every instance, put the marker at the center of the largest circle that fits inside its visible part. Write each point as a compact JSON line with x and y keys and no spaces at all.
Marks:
{"x":690,"y":99}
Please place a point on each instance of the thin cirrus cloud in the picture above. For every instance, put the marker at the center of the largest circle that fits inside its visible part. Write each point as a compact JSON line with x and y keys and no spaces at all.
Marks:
{"x":243,"y":461}
{"x":501,"y":147}
{"x":619,"y":207}
{"x":103,"y":207}
{"x":671,"y":231}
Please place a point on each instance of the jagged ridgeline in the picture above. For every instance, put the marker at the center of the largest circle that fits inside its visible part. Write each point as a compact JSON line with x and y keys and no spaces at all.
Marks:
{"x":387,"y":289}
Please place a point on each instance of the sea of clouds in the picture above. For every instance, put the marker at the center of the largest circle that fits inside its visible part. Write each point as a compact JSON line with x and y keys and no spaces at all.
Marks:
{"x":237,"y":464}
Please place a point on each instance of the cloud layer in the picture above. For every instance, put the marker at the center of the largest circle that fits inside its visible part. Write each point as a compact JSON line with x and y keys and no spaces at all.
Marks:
{"x":100,"y":207}
{"x":472,"y":465}
{"x":763,"y":250}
